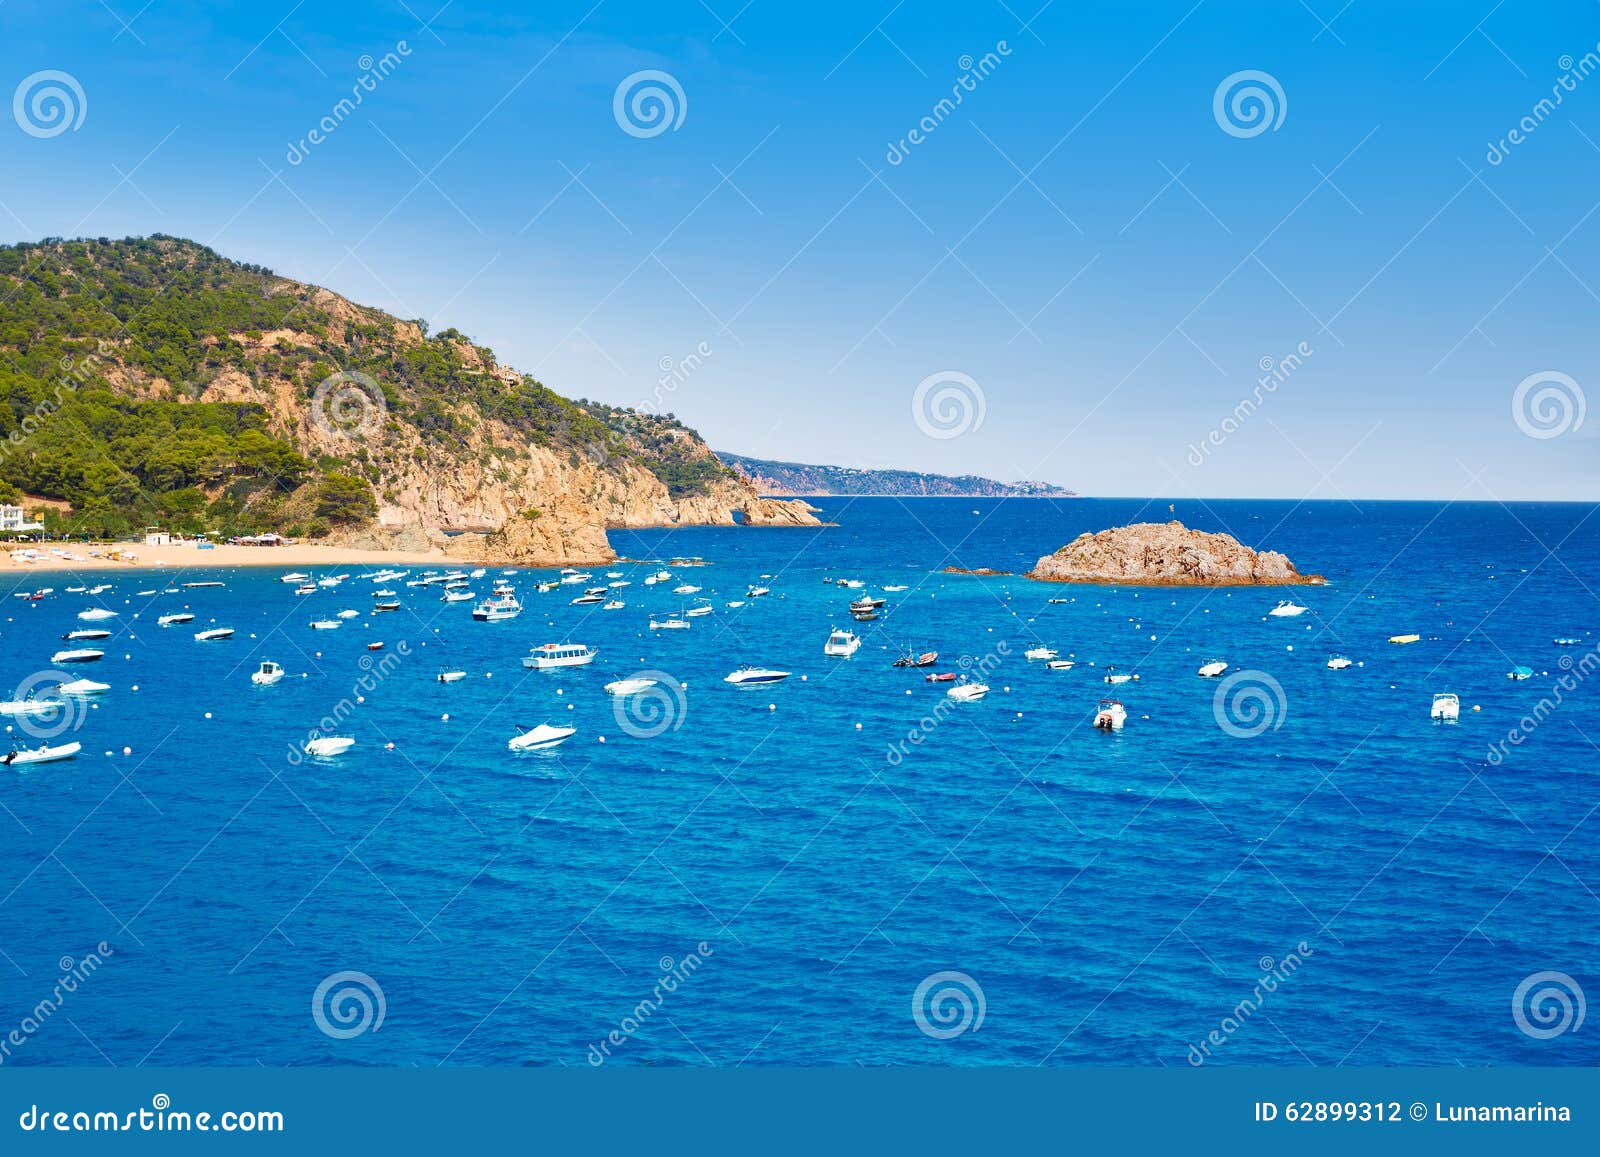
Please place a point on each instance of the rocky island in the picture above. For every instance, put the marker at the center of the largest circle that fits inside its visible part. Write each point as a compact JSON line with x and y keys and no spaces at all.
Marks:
{"x":1166,"y":554}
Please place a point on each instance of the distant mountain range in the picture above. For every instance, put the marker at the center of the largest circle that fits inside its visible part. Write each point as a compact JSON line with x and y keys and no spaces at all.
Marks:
{"x":795,"y":478}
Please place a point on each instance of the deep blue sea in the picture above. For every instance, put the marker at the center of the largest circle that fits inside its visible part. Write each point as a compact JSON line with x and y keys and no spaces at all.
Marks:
{"x":763,"y":883}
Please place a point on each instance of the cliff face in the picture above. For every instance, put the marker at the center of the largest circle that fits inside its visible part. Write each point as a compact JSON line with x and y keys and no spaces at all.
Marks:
{"x":1165,"y":554}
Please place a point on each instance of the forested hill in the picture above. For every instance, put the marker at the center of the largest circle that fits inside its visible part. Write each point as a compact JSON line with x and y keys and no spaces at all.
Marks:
{"x":794,"y":478}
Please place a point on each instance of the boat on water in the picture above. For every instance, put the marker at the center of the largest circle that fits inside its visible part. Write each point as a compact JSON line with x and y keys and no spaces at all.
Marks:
{"x":42,"y":754}
{"x":294,"y":577}
{"x":31,"y":706}
{"x":685,"y":589}
{"x":477,"y":572}
{"x":1040,"y":653}
{"x":541,"y":738}
{"x":842,"y":644}
{"x":1338,"y":662}
{"x":662,"y":576}
{"x":575,"y":578}
{"x":1519,"y":673}
{"x":96,"y":615}
{"x":1211,"y":668}
{"x":101,"y":589}
{"x":82,"y":687}
{"x":629,"y":686}
{"x":1287,"y":609}
{"x":548,"y":656}
{"x":497,"y":610}
{"x":325,"y":624}
{"x":588,"y":600}
{"x":897,"y":588}
{"x":1060,"y":664}
{"x":755,"y":677}
{"x":941,"y":677}
{"x":213,"y":634}
{"x":347,"y":613}
{"x":267,"y":674}
{"x":1445,"y":706}
{"x":457,"y":596}
{"x":202,"y":585}
{"x":1402,"y":640}
{"x":735,"y":604}
{"x":76,"y":590}
{"x":451,"y":676}
{"x":143,"y":594}
{"x":387,"y":605}
{"x":1115,"y":677}
{"x":1056,"y":602}
{"x":613,"y":605}
{"x":81,"y":655}
{"x":702,"y":607}
{"x":926,"y":659}
{"x":375,"y":646}
{"x":1110,"y":715}
{"x":546,"y":587}
{"x":865,"y":616}
{"x":1565,"y":641}
{"x":757,"y":592}
{"x":179,"y":617}
{"x":306,"y":589}
{"x":327,"y":746}
{"x":670,"y":623}
{"x":92,"y":633}
{"x":964,"y":692}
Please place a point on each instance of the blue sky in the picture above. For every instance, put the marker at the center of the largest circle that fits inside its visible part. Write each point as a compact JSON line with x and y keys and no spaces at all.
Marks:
{"x":1081,"y":238}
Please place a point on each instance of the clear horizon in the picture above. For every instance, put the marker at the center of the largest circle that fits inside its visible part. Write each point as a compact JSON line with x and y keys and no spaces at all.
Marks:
{"x":1094,"y":269}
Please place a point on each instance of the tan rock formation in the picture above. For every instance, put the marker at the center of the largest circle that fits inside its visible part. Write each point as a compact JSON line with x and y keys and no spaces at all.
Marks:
{"x":1166,"y":554}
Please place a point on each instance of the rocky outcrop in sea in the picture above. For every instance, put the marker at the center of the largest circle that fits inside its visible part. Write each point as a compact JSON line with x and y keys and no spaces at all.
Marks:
{"x":1166,"y":554}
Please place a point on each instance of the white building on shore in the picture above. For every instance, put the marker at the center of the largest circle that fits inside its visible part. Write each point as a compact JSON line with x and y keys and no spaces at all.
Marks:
{"x":14,"y":521}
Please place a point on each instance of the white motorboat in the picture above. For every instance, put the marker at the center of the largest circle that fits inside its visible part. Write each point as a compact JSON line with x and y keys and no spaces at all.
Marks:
{"x":42,"y":754}
{"x":451,"y":676}
{"x":497,"y":610}
{"x":896,"y":588}
{"x":1110,"y":715}
{"x":1060,"y":664}
{"x":325,"y":624}
{"x":619,"y":584}
{"x":842,"y":644}
{"x":1337,"y":662}
{"x":685,"y":589}
{"x":213,"y":634}
{"x":1446,"y":706}
{"x":92,"y":633}
{"x":575,"y":578}
{"x":96,"y":615}
{"x":1211,"y":668}
{"x":326,"y":746}
{"x":968,"y":692}
{"x":31,"y":706}
{"x":701,"y":608}
{"x":267,"y":674}
{"x":294,"y":577}
{"x":202,"y":586}
{"x":614,"y":605}
{"x":1518,"y":674}
{"x":650,"y":580}
{"x":735,"y":604}
{"x":348,"y":614}
{"x":852,"y":584}
{"x":82,"y":687}
{"x":670,"y":623}
{"x":101,"y":589}
{"x":1039,"y":653}
{"x":83,"y":655}
{"x":588,"y":600}
{"x":553,"y":655}
{"x":477,"y":572}
{"x":332,"y":580}
{"x":613,"y":574}
{"x":76,"y":590}
{"x":546,"y":588}
{"x":1287,"y":609}
{"x":755,"y":677}
{"x":541,"y":738}
{"x":629,"y":686}
{"x":662,"y":576}
{"x":178,"y":617}
{"x":757,"y":592}
{"x":306,"y":589}
{"x":457,"y":596}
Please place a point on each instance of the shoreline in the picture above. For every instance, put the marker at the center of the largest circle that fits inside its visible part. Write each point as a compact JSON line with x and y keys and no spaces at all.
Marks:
{"x":184,"y":556}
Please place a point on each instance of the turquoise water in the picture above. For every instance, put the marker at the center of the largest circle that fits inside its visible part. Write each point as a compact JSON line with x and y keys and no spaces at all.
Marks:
{"x":771,"y":878}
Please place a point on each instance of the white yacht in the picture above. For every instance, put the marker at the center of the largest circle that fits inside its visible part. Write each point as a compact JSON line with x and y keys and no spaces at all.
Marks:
{"x":83,"y":655}
{"x":1110,"y":715}
{"x":267,"y":674}
{"x":1211,"y":668}
{"x":1446,"y":706}
{"x":541,"y":737}
{"x":325,"y":625}
{"x":83,"y":687}
{"x":92,"y":633}
{"x":670,"y":623}
{"x":96,"y":615}
{"x":1039,"y":653}
{"x":842,"y":644}
{"x":551,"y":655}
{"x":1338,"y":662}
{"x":1287,"y":609}
{"x":497,"y":610}
{"x":755,"y":677}
{"x":179,"y":617}
{"x":629,"y":686}
{"x":213,"y":634}
{"x":294,"y":577}
{"x":614,"y":605}
{"x":326,"y":746}
{"x":968,"y":692}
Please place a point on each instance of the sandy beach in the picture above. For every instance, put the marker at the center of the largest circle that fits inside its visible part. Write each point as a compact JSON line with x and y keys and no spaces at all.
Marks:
{"x":185,"y":556}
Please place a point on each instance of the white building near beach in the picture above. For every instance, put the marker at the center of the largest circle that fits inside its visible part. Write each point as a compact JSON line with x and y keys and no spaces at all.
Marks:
{"x":14,"y":521}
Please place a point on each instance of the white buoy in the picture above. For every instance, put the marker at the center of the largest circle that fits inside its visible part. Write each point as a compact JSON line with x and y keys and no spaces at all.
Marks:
{"x":445,"y":718}
{"x":208,"y":715}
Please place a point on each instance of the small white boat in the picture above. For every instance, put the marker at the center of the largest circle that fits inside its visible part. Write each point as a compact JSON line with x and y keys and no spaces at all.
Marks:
{"x":306,"y":589}
{"x":96,"y":615}
{"x":1039,"y":653}
{"x":1060,"y":664}
{"x":968,"y":692}
{"x":31,"y":706}
{"x":670,"y":623}
{"x":757,"y":592}
{"x":1446,"y":706}
{"x":852,"y":584}
{"x":325,"y":746}
{"x":179,"y":617}
{"x":92,"y":633}
{"x":76,"y":590}
{"x":83,"y":655}
{"x":1211,"y":668}
{"x":662,"y":576}
{"x":686,"y":589}
{"x":331,"y":581}
{"x":1518,"y":674}
{"x":267,"y":674}
{"x":457,"y":596}
{"x":842,"y":644}
{"x":552,"y":655}
{"x":42,"y":754}
{"x":735,"y":604}
{"x":294,"y":577}
{"x":1110,"y":715}
{"x":613,"y":574}
{"x":82,"y":687}
{"x":619,"y":584}
{"x":896,"y":588}
{"x":348,"y":614}
{"x":1338,"y":662}
{"x":588,"y":600}
{"x":541,"y":738}
{"x":325,"y":624}
{"x":629,"y":686}
{"x":101,"y":589}
{"x":575,"y":578}
{"x":198,"y":586}
{"x":701,"y":608}
{"x":497,"y":610}
{"x":1287,"y":609}
{"x":755,"y":677}
{"x":1119,"y":678}
{"x":451,"y":676}
{"x":614,"y":605}
{"x":477,"y":572}
{"x":143,"y":594}
{"x":213,"y":634}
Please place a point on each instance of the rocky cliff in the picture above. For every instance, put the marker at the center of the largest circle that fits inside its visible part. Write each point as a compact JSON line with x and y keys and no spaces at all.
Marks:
{"x":1166,"y":554}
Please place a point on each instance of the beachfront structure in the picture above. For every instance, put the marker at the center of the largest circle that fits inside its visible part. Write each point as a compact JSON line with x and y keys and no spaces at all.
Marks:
{"x":14,"y":521}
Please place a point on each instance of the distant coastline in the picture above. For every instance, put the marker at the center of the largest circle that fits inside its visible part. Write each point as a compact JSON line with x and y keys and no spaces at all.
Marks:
{"x":798,"y":480}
